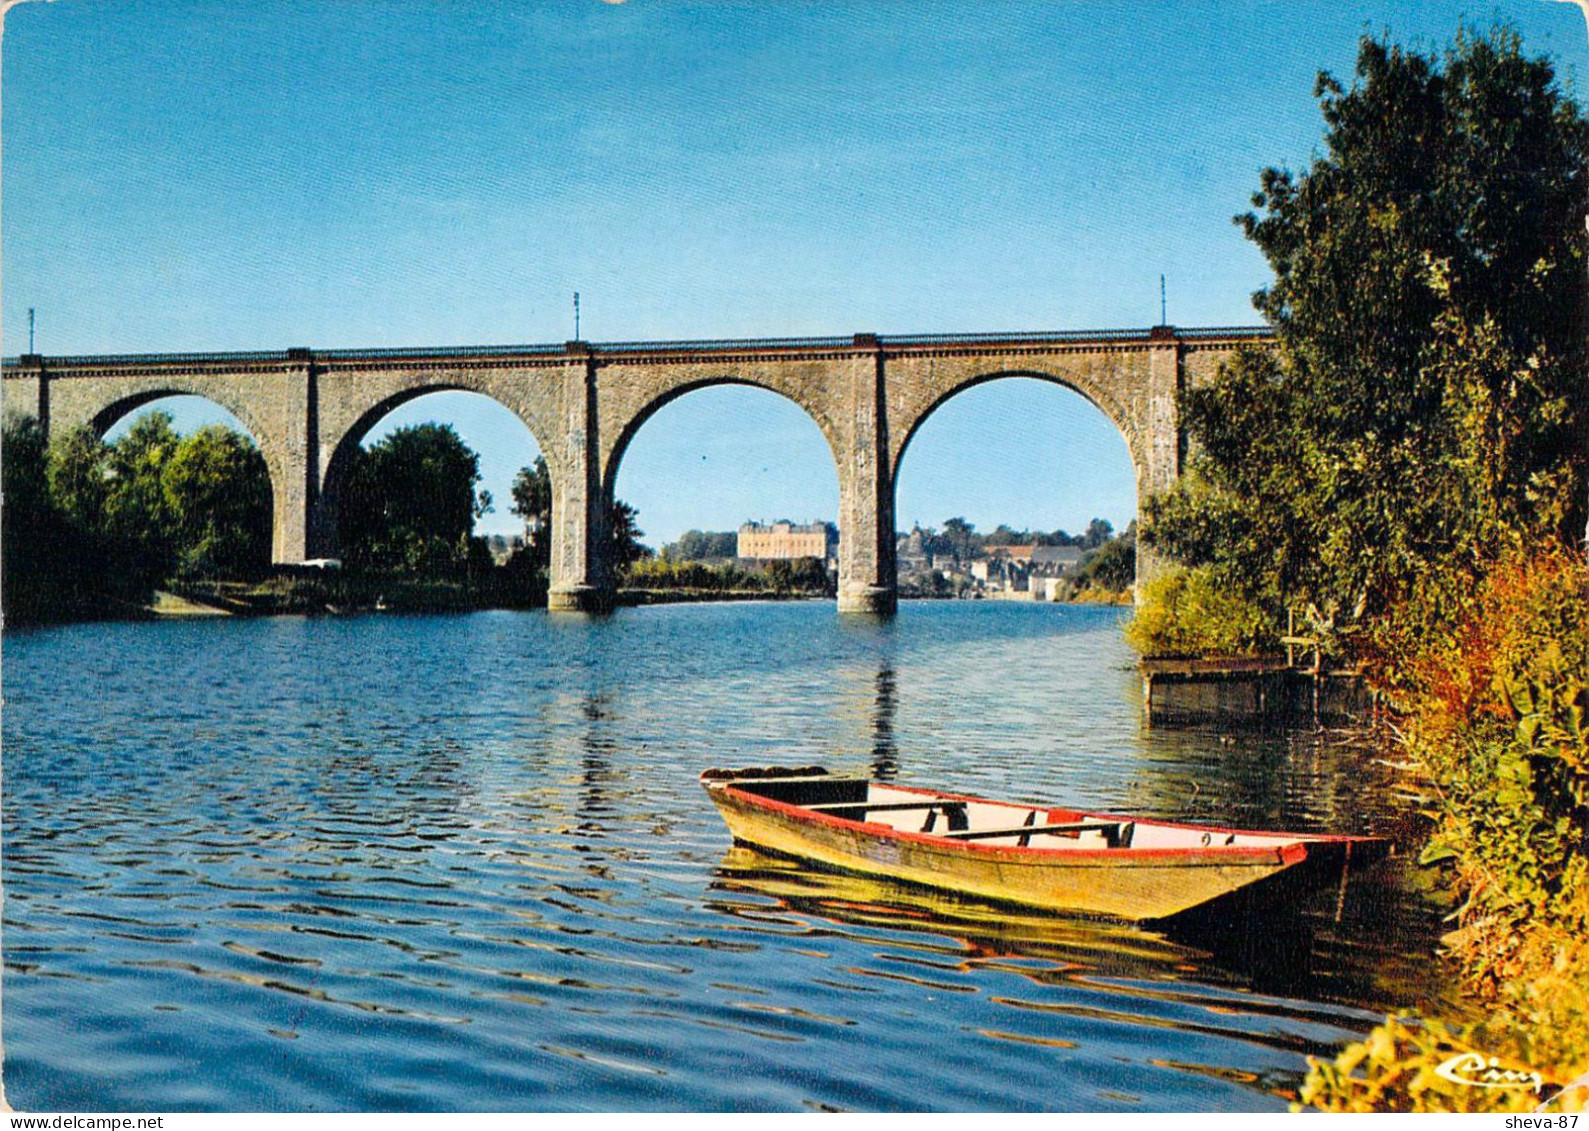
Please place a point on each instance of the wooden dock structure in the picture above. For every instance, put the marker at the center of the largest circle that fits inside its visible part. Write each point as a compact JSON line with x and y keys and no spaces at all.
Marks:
{"x":1249,"y":691}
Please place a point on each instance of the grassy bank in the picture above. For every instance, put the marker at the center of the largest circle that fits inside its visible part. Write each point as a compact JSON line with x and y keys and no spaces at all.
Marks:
{"x":668,"y":596}
{"x":359,"y":592}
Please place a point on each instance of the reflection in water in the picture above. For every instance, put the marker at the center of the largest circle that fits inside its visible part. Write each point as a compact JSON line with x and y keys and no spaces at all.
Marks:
{"x":464,"y":862}
{"x":983,"y":930}
{"x":885,"y":705}
{"x":597,"y":747}
{"x":1075,"y":967}
{"x":1289,"y":950}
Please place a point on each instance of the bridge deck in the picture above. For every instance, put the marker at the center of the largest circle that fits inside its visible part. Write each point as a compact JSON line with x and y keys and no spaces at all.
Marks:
{"x":887,"y":342}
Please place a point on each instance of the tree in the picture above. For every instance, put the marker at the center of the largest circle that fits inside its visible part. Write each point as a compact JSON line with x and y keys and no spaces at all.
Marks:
{"x":798,"y":575}
{"x":703,"y":545}
{"x":1113,"y":565}
{"x":532,"y":493}
{"x":410,"y":501}
{"x":532,"y":501}
{"x":1424,"y":402}
{"x":32,"y":534}
{"x":54,"y":567}
{"x":1099,"y":531}
{"x":24,"y":471}
{"x":80,"y":477}
{"x":960,"y":537}
{"x":217,"y":493}
{"x":624,"y":535}
{"x":137,"y":515}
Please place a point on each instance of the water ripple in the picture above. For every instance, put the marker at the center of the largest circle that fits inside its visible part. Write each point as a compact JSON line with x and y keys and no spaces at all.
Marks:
{"x":430,"y":863}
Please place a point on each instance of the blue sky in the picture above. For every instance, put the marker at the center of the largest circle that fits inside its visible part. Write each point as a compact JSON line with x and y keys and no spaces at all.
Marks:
{"x":206,"y":175}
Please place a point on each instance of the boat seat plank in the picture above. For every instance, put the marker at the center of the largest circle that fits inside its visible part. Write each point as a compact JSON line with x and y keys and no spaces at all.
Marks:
{"x":1110,"y":829}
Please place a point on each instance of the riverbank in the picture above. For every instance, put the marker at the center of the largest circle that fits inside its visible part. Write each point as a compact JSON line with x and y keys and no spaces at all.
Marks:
{"x":331,"y":593}
{"x":1492,"y":709}
{"x":630,"y":598}
{"x":337,"y":592}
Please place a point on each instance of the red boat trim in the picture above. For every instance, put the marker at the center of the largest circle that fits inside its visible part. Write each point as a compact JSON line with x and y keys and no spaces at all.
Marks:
{"x":1220,"y":853}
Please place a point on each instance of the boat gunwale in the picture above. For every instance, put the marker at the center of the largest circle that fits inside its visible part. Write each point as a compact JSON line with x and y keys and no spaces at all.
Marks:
{"x":1212,"y":854}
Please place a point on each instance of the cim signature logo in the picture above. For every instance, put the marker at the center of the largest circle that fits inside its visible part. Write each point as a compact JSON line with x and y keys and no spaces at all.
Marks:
{"x":1475,"y":1070}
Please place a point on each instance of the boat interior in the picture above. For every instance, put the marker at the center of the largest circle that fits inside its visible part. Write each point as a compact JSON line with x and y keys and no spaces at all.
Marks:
{"x":987,"y":822}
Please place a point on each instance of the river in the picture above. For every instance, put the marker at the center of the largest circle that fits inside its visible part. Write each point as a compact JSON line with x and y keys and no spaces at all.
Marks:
{"x":463,"y":863}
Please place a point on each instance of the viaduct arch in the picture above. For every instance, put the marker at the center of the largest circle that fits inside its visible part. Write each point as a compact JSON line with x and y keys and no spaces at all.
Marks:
{"x":583,"y":403}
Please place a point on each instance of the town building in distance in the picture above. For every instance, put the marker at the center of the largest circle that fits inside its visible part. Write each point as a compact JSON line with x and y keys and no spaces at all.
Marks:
{"x":784,"y":540}
{"x":931,"y":564}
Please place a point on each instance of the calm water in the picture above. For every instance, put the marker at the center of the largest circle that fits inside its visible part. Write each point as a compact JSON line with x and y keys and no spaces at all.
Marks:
{"x":463,"y":862}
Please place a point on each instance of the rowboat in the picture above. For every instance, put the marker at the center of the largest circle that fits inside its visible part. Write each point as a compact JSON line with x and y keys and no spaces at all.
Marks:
{"x":1035,"y":855}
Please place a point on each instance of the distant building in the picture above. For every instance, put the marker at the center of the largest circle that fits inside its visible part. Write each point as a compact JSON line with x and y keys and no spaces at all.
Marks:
{"x":1047,"y":588}
{"x":1004,"y":569}
{"x":782,"y":540}
{"x":1051,"y":561}
{"x":1020,"y":555}
{"x":910,"y":552}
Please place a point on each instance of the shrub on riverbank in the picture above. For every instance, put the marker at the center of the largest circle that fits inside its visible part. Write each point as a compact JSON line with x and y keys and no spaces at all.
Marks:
{"x":801,"y":576}
{"x":1496,"y":708}
{"x":1193,"y":612}
{"x":1097,"y":595}
{"x":1493,"y":696}
{"x":53,"y":569}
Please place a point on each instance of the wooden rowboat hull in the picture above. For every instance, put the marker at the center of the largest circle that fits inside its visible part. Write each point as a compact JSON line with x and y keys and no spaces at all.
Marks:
{"x":1139,"y":884}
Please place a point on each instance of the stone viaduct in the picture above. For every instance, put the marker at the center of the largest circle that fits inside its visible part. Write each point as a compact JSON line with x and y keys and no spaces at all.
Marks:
{"x":583,"y":403}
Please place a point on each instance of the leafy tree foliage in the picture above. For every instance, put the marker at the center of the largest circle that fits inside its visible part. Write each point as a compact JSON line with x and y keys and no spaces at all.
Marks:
{"x":25,"y":468}
{"x":532,"y":501}
{"x":1113,"y":565}
{"x":50,"y":569}
{"x":532,"y":493}
{"x":703,"y":545}
{"x":80,"y":478}
{"x":784,"y":577}
{"x":960,"y":538}
{"x":411,"y":502}
{"x":165,"y":504}
{"x":1190,"y":613}
{"x":1099,"y":531}
{"x":625,"y":534}
{"x":217,"y":496}
{"x":91,"y":527}
{"x":1425,"y":404}
{"x":137,"y":514}
{"x":797,"y":575}
{"x":1005,"y":535}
